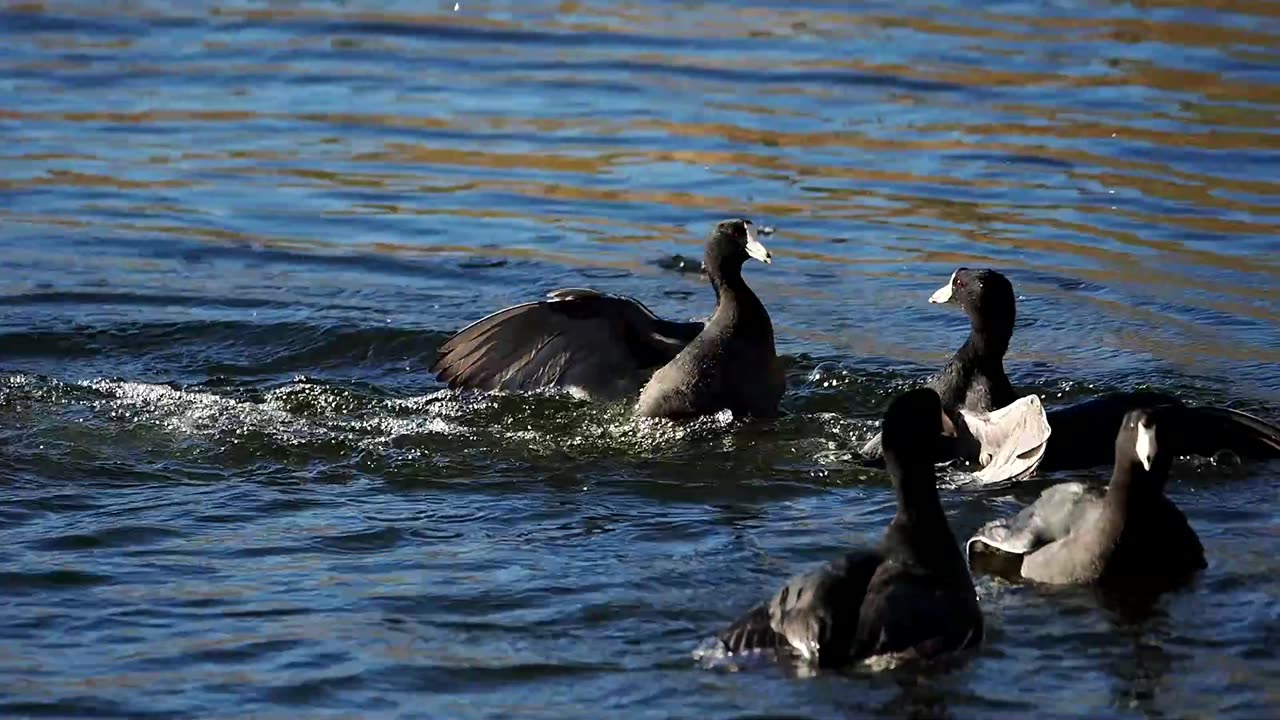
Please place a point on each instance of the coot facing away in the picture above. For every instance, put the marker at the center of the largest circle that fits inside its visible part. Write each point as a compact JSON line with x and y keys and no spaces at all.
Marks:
{"x":911,"y":595}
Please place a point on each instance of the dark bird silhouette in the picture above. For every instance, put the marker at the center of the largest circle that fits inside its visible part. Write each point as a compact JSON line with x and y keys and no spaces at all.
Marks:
{"x":608,"y":347}
{"x":1082,"y":433}
{"x":912,"y":594}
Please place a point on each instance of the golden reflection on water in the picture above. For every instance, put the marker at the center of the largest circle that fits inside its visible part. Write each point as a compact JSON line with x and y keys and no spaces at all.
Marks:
{"x":1018,"y":141}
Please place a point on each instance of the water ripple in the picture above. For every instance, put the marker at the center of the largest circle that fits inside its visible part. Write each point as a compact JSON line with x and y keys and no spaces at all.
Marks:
{"x":235,"y":232}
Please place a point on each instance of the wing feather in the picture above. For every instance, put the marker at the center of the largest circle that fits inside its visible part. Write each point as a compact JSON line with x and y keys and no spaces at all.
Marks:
{"x":815,"y":615}
{"x":1053,"y":515}
{"x":601,"y":345}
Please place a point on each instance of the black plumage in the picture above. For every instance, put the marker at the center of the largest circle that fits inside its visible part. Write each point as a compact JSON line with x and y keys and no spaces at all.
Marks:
{"x":608,"y":347}
{"x":911,"y":595}
{"x":1083,"y":434}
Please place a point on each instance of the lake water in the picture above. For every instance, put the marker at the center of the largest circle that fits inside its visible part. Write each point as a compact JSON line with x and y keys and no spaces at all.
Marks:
{"x":232,"y":235}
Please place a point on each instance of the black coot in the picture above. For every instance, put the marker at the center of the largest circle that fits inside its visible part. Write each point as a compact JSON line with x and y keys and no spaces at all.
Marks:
{"x":1083,"y":433}
{"x":607,"y":346}
{"x":912,"y":595}
{"x":1132,"y":536}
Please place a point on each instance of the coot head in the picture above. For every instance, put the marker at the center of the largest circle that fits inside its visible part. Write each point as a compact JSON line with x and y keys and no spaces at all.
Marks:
{"x":1141,"y":448}
{"x":914,"y":424}
{"x":732,"y":243}
{"x":985,"y":295}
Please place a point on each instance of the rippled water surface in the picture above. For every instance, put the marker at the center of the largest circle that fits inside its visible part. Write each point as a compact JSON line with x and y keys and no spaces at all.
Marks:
{"x":232,"y":235}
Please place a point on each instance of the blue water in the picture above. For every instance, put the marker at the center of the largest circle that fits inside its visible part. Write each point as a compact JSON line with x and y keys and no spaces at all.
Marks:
{"x":232,"y":235}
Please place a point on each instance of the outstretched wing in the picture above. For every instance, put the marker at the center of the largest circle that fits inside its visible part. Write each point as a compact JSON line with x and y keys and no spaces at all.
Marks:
{"x":1084,"y":433}
{"x":603,"y":346}
{"x":1207,"y":430}
{"x":814,"y":615}
{"x":1011,"y":441}
{"x":1051,"y":517}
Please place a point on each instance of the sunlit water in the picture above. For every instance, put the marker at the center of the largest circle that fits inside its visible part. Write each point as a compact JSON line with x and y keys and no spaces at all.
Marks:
{"x":233,"y":234}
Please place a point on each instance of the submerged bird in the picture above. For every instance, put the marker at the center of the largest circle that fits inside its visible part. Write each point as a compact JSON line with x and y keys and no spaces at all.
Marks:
{"x":1082,"y":434}
{"x":1132,"y":536}
{"x":607,"y":347}
{"x":911,"y":595}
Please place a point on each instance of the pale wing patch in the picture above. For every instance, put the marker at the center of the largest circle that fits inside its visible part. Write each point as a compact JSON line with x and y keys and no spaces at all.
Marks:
{"x":1012,"y":440}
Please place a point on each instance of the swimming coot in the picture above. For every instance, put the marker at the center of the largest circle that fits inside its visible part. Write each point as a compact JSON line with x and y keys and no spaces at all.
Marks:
{"x":911,"y":595}
{"x":1083,"y":433}
{"x":974,"y":378}
{"x":1005,"y":435}
{"x":1131,"y":536}
{"x":607,"y":347}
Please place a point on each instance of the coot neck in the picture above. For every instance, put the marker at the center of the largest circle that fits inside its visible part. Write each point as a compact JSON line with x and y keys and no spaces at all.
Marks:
{"x":735,"y":301}
{"x":919,"y":534}
{"x":987,"y":343}
{"x":1131,"y":490}
{"x":980,"y":357}
{"x":916,"y":488}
